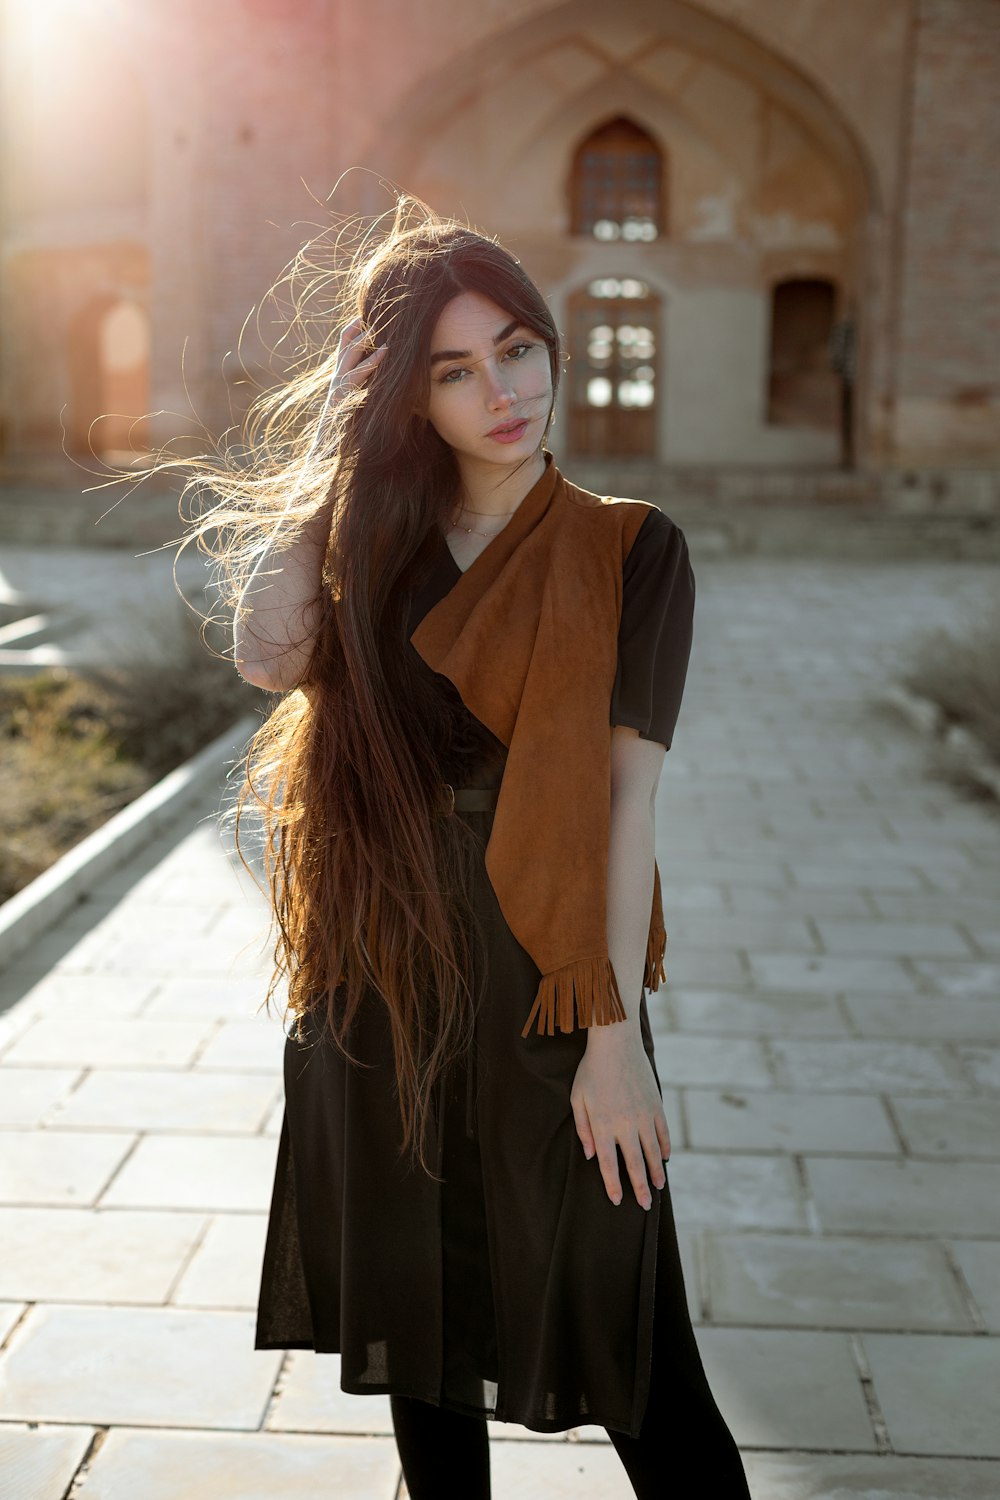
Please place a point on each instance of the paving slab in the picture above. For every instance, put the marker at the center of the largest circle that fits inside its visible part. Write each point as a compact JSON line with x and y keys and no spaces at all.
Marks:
{"x":38,"y":1464}
{"x":241,"y":1466}
{"x":938,"y":1394}
{"x":164,"y":1367}
{"x":979,"y":1263}
{"x":11,"y":1314}
{"x":224,"y":1270}
{"x":957,"y":1128}
{"x":868,"y":1066}
{"x":779,"y":1120}
{"x":716,"y":966}
{"x":816,"y":1476}
{"x":960,"y":978}
{"x":920,"y":1018}
{"x":893,"y":1197}
{"x":243,"y":1046}
{"x":749,"y":930}
{"x":196,"y":1172}
{"x":766,"y":1383}
{"x":217,"y":998}
{"x":137,"y":921}
{"x":900,"y":939}
{"x":710,"y":1059}
{"x":831,"y":1281}
{"x":29,"y":1095}
{"x":985,"y":934}
{"x":197,"y":1101}
{"x":737,"y":1013}
{"x":982,"y":1064}
{"x":556,"y":1471}
{"x":735,"y":1191}
{"x":836,"y":972}
{"x":310,"y":1400}
{"x":842,"y":902}
{"x":104,"y":1043}
{"x":92,"y":1255}
{"x":167,"y":955}
{"x":90,"y":995}
{"x":818,"y":875}
{"x":696,"y":895}
{"x":59,"y":1166}
{"x":966,"y":908}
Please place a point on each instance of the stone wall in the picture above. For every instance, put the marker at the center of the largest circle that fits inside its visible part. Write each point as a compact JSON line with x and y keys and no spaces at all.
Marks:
{"x":829,"y":138}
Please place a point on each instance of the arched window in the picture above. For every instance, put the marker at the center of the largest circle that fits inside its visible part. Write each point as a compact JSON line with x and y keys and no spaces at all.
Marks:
{"x":613,"y":335}
{"x":616,"y":184}
{"x":803,"y":389}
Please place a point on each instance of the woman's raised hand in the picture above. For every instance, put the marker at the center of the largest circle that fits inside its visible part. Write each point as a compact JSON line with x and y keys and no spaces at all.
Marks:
{"x":353,"y":367}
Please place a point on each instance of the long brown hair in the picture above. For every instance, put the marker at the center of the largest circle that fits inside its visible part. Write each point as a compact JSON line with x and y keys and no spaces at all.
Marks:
{"x":368,"y":883}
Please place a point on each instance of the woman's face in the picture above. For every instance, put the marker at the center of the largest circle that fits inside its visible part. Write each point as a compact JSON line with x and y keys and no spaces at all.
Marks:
{"x":487,"y":371}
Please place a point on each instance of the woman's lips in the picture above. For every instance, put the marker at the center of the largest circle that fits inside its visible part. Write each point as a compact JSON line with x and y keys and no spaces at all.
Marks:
{"x":509,"y":434}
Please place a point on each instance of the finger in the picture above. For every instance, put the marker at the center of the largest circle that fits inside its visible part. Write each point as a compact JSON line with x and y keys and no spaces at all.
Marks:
{"x":349,"y":329}
{"x":635,"y":1165}
{"x":607,"y":1155}
{"x":360,"y":371}
{"x":357,"y":345}
{"x":663,"y":1135}
{"x":354,"y":339}
{"x":583,"y":1130}
{"x":651,"y":1152}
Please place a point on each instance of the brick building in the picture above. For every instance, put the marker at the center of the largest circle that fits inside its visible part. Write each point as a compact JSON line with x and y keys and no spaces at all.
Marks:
{"x":769,"y":232}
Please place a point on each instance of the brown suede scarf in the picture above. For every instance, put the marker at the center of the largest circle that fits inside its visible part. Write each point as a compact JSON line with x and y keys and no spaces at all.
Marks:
{"x":528,"y":635}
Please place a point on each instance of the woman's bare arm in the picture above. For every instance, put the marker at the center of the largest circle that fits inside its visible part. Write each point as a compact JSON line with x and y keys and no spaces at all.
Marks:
{"x":614,"y":1098}
{"x":280,"y":609}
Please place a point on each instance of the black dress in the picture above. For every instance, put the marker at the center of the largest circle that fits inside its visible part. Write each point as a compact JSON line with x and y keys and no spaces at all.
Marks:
{"x":515,"y":1289}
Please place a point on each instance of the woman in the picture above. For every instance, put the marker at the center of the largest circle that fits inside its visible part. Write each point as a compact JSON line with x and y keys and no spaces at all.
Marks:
{"x":481,"y":665}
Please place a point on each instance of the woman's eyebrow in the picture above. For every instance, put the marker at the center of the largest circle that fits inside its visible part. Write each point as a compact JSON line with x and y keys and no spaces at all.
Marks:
{"x":498,"y":338}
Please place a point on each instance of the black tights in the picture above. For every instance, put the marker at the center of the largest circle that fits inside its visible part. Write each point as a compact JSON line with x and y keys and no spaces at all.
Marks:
{"x":436,"y":1444}
{"x":684,"y":1445}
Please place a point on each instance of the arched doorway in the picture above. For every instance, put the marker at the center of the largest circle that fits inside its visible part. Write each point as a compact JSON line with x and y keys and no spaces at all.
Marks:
{"x":109,"y":359}
{"x":614,"y":357}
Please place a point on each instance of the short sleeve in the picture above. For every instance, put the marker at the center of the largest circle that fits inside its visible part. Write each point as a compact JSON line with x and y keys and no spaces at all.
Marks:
{"x":656,"y":631}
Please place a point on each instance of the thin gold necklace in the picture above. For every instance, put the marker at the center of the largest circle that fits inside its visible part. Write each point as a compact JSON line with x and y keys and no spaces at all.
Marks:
{"x":471,"y":530}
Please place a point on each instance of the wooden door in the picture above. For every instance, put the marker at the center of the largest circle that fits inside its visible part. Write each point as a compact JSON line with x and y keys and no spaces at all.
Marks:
{"x":613,"y":345}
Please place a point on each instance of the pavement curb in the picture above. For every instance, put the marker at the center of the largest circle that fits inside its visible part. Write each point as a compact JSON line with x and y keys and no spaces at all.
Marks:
{"x":929,"y":719}
{"x":33,"y":909}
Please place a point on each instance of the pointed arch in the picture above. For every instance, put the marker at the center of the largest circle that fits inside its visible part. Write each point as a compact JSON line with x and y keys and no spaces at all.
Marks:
{"x":618,"y":183}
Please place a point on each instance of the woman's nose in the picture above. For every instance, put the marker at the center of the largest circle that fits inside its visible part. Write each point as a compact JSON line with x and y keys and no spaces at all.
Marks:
{"x":501,"y":391}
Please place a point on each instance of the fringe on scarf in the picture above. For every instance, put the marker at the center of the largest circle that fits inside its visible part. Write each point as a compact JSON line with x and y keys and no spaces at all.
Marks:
{"x":591,"y":983}
{"x":656,"y":943}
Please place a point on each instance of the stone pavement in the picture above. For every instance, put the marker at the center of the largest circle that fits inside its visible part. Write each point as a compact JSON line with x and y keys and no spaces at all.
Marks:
{"x":829,"y":1043}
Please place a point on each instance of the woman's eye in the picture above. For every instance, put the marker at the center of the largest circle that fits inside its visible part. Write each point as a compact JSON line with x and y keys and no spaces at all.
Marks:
{"x":516,"y":351}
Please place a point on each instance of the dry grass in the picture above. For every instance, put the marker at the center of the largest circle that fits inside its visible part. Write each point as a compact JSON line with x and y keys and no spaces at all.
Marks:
{"x":77,"y":746}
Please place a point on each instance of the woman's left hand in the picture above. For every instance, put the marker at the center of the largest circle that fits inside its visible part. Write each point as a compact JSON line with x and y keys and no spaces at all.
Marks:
{"x":615,"y":1103}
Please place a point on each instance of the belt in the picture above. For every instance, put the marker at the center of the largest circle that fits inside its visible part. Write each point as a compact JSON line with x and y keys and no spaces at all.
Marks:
{"x":468,"y":799}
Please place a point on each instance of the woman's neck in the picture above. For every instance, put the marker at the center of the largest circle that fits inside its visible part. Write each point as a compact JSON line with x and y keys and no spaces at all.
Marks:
{"x":487,"y":491}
